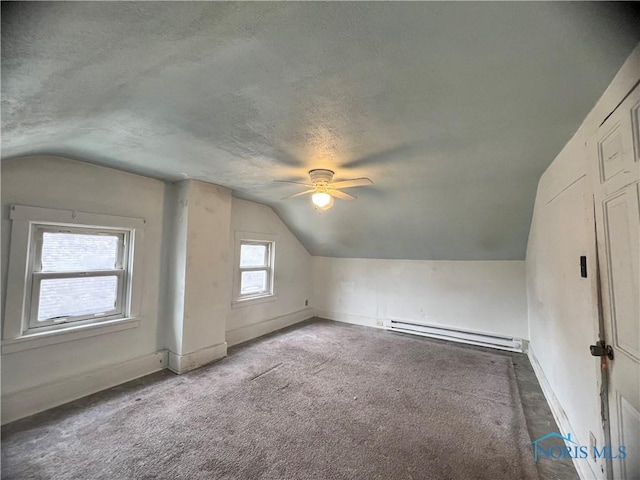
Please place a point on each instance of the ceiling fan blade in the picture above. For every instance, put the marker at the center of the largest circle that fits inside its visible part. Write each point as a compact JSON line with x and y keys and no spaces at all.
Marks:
{"x":301,"y":193}
{"x":341,"y":195}
{"x":295,"y":183}
{"x":355,"y":182}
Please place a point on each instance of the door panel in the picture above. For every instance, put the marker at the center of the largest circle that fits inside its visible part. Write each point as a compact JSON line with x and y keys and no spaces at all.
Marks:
{"x":628,"y":415}
{"x":622,"y":246}
{"x":617,"y":200}
{"x":620,"y":225}
{"x":617,"y":147}
{"x":612,"y":155}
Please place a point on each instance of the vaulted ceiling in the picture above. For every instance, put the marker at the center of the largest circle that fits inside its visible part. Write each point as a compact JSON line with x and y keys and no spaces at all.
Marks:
{"x":454,"y":110}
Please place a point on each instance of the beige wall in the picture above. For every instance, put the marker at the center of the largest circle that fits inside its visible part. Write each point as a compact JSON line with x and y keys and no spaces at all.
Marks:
{"x":484,"y":296}
{"x":58,"y":183}
{"x":562,"y":306}
{"x":187,"y":280}
{"x":292,"y":282}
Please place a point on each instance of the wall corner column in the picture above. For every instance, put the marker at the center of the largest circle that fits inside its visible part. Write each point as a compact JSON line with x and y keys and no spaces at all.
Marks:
{"x":198,"y":289}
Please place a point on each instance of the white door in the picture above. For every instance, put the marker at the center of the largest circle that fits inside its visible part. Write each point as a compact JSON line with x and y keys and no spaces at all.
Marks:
{"x":617,"y":200}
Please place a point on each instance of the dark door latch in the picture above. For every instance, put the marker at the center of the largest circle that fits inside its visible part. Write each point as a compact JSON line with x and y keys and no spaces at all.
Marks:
{"x":600,"y":349}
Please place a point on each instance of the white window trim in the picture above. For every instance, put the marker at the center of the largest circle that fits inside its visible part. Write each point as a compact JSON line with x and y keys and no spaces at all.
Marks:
{"x":121,"y":271}
{"x":240,"y":236}
{"x":16,"y":332}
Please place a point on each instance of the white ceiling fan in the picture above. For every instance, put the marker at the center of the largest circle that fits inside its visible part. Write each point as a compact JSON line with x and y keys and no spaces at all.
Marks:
{"x":323,"y":190}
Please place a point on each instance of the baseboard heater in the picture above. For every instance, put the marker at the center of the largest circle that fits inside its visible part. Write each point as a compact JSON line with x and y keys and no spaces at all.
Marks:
{"x":455,"y":335}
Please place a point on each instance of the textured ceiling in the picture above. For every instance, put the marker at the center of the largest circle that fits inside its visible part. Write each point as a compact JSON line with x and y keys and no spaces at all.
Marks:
{"x":453,"y":109}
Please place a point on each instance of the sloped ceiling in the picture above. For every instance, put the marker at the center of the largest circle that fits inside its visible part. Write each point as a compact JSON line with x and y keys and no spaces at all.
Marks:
{"x":453,"y":109}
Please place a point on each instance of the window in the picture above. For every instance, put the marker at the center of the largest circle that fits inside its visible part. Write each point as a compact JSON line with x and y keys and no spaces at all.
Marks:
{"x":77,"y":274}
{"x":71,"y":275}
{"x":254,"y":271}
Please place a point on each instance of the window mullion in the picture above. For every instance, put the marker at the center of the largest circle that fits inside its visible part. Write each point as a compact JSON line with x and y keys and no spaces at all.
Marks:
{"x":254,"y":269}
{"x":78,"y":274}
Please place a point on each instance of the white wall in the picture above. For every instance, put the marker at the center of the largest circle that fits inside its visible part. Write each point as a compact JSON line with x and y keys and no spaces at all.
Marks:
{"x":197,"y":295}
{"x":293,"y":276}
{"x":562,"y":306}
{"x":38,"y":378}
{"x":65,"y":184}
{"x":484,"y":296}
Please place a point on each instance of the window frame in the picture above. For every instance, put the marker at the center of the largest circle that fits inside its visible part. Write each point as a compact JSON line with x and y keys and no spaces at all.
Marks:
{"x":17,"y":333}
{"x":266,"y":267}
{"x":36,"y":275}
{"x":249,"y":238}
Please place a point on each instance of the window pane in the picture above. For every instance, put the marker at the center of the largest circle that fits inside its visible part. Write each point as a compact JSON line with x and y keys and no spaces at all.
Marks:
{"x":66,"y":252}
{"x":253,"y":255}
{"x":253,"y":282}
{"x":62,"y":297}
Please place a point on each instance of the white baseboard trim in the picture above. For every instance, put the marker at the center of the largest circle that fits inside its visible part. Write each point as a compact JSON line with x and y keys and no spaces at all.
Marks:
{"x":583,"y":466}
{"x":350,"y":318}
{"x":244,"y":334}
{"x":37,"y":399}
{"x":190,"y":361}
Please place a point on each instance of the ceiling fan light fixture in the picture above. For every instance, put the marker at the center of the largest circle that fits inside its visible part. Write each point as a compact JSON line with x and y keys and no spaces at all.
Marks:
{"x":323,"y":189}
{"x":322,"y":200}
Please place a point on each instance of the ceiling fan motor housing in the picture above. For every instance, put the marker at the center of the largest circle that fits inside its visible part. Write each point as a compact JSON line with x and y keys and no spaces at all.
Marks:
{"x":321,"y":176}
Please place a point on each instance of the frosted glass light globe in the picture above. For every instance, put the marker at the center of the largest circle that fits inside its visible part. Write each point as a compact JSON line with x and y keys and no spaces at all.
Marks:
{"x":321,"y":199}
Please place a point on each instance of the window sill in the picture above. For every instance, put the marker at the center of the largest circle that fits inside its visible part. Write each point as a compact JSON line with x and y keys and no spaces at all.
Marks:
{"x":247,"y":302}
{"x":52,"y":337}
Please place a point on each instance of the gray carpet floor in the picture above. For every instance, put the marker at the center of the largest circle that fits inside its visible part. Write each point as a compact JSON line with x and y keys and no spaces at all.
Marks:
{"x":320,"y":400}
